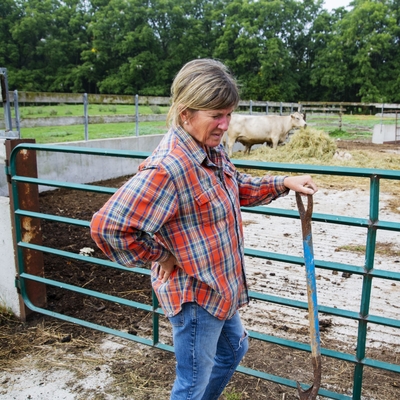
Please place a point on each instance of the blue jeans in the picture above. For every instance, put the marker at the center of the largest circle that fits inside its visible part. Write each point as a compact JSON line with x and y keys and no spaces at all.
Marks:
{"x":207,"y":352}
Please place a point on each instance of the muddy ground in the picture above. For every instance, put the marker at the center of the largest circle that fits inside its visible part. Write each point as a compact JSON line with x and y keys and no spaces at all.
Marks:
{"x":134,"y":371}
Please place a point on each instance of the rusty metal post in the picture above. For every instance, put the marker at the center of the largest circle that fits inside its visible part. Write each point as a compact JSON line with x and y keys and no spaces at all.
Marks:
{"x":30,"y":228}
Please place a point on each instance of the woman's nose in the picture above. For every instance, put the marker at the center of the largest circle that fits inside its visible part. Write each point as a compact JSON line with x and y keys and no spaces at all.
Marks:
{"x":224,"y":123}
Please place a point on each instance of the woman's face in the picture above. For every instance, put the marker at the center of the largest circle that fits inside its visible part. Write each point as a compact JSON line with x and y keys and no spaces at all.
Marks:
{"x":207,"y":127}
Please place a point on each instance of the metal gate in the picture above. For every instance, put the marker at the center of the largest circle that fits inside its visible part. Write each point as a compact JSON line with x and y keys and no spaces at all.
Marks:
{"x":368,"y":272}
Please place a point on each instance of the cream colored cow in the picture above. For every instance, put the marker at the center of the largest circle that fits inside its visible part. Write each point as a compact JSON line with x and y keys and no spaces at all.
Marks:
{"x":259,"y":129}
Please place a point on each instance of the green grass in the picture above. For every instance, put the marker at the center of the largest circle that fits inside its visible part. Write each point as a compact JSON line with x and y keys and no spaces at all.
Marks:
{"x":72,"y":133}
{"x":353,"y":126}
{"x":232,"y":395}
{"x":76,"y":110}
{"x":349,"y":134}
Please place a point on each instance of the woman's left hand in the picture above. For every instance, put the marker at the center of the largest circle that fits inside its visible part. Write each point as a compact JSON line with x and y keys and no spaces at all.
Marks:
{"x":167,"y":267}
{"x":302,"y":184}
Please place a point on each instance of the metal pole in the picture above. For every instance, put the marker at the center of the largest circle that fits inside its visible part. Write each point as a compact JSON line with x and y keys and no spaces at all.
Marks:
{"x":251,"y":106}
{"x":16,"y":108}
{"x":5,"y":99}
{"x":137,"y":114}
{"x":85,"y":115}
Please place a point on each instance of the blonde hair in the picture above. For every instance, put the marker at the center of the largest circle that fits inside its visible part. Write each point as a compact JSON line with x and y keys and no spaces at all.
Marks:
{"x":202,"y":84}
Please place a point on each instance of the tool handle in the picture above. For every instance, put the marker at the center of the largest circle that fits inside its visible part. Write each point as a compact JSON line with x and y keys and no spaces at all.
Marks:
{"x":305,"y":217}
{"x":304,"y":214}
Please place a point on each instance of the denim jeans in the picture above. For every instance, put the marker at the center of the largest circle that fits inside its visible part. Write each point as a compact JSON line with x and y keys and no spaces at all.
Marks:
{"x":207,"y":352}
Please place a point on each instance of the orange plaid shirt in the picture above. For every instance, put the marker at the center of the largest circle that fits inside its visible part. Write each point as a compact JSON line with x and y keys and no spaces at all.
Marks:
{"x":186,"y":201}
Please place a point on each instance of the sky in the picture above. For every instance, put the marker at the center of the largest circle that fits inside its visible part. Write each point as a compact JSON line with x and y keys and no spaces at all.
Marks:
{"x":331,"y":4}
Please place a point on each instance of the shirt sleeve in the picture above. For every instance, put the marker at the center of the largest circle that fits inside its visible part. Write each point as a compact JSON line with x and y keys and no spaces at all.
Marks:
{"x":255,"y":191}
{"x":123,"y":228}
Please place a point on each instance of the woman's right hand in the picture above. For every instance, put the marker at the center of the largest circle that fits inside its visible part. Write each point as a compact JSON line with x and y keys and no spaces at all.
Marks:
{"x":167,"y":267}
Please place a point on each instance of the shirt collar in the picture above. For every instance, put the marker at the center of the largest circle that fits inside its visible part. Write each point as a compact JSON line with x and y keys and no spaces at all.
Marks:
{"x":213,"y":158}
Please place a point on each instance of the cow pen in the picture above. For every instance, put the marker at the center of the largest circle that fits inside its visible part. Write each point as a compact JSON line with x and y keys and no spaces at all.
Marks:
{"x":360,"y":327}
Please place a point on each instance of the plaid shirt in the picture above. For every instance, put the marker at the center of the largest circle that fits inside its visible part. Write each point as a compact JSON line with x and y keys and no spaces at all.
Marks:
{"x":186,"y":201}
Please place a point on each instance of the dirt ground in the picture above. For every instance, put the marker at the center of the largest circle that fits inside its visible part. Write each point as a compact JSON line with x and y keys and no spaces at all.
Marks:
{"x":126,"y":369}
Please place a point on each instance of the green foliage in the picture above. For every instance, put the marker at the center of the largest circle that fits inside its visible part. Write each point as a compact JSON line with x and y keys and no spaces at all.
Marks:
{"x":232,"y":395}
{"x":357,"y":60}
{"x":286,"y":50}
{"x":338,"y":134}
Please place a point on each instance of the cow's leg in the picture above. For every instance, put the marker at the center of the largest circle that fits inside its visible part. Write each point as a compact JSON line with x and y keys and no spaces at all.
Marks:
{"x":231,"y":143}
{"x":224,"y":138}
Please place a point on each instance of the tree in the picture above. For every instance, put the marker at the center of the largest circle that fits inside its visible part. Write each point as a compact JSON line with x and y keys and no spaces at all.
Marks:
{"x":357,"y":59}
{"x":265,"y":43}
{"x":9,"y":15}
{"x":279,"y":50}
{"x":139,"y":45}
{"x":48,"y":37}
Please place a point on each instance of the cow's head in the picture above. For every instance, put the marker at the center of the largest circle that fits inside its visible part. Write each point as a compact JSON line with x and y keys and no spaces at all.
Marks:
{"x":298,"y":120}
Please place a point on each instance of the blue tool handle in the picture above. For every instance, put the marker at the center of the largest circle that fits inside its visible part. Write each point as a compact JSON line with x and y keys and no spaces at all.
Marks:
{"x":305,"y":217}
{"x":312,"y":296}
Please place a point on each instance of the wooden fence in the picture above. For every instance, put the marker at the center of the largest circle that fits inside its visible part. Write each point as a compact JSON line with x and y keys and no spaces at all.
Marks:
{"x":333,"y":110}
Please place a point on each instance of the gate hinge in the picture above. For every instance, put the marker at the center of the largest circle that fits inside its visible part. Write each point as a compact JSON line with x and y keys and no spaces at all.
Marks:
{"x":7,"y":171}
{"x":18,"y":284}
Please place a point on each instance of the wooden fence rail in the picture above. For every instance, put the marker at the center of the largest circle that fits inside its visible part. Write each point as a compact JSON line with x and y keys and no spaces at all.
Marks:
{"x":250,"y":106}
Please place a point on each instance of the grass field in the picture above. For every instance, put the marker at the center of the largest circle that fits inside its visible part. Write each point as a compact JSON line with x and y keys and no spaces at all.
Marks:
{"x":350,"y":127}
{"x":76,"y":110}
{"x":72,"y":133}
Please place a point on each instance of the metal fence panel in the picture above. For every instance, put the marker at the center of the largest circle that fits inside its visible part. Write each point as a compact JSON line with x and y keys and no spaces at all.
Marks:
{"x":369,"y":272}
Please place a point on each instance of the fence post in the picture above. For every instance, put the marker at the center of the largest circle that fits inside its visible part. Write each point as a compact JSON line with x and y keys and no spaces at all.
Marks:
{"x":85,"y":115}
{"x":27,"y":198}
{"x":16,"y":109}
{"x":8,"y":132}
{"x":280,"y":108}
{"x":340,"y":117}
{"x":137,"y":114}
{"x":251,"y":106}
{"x":6,"y":102}
{"x":266,"y":108}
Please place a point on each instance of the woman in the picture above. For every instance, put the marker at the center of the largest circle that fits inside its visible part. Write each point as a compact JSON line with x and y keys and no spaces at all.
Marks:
{"x":182,"y":212}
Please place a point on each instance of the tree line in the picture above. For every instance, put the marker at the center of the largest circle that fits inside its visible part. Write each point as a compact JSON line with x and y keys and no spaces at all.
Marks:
{"x":279,"y":50}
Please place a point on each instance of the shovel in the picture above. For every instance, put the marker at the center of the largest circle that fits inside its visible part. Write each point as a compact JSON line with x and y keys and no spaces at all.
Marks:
{"x":305,"y":217}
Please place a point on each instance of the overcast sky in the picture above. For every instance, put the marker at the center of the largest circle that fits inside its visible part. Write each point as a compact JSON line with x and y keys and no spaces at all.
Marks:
{"x":331,"y":4}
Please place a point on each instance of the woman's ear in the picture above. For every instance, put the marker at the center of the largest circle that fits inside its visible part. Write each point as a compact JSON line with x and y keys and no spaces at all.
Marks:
{"x":184,"y":115}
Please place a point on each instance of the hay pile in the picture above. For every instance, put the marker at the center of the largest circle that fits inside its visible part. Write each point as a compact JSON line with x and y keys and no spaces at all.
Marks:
{"x":310,"y":143}
{"x":306,"y":145}
{"x":313,"y":146}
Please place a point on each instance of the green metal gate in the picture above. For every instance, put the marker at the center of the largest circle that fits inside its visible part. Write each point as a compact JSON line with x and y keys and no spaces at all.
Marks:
{"x":371,"y":223}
